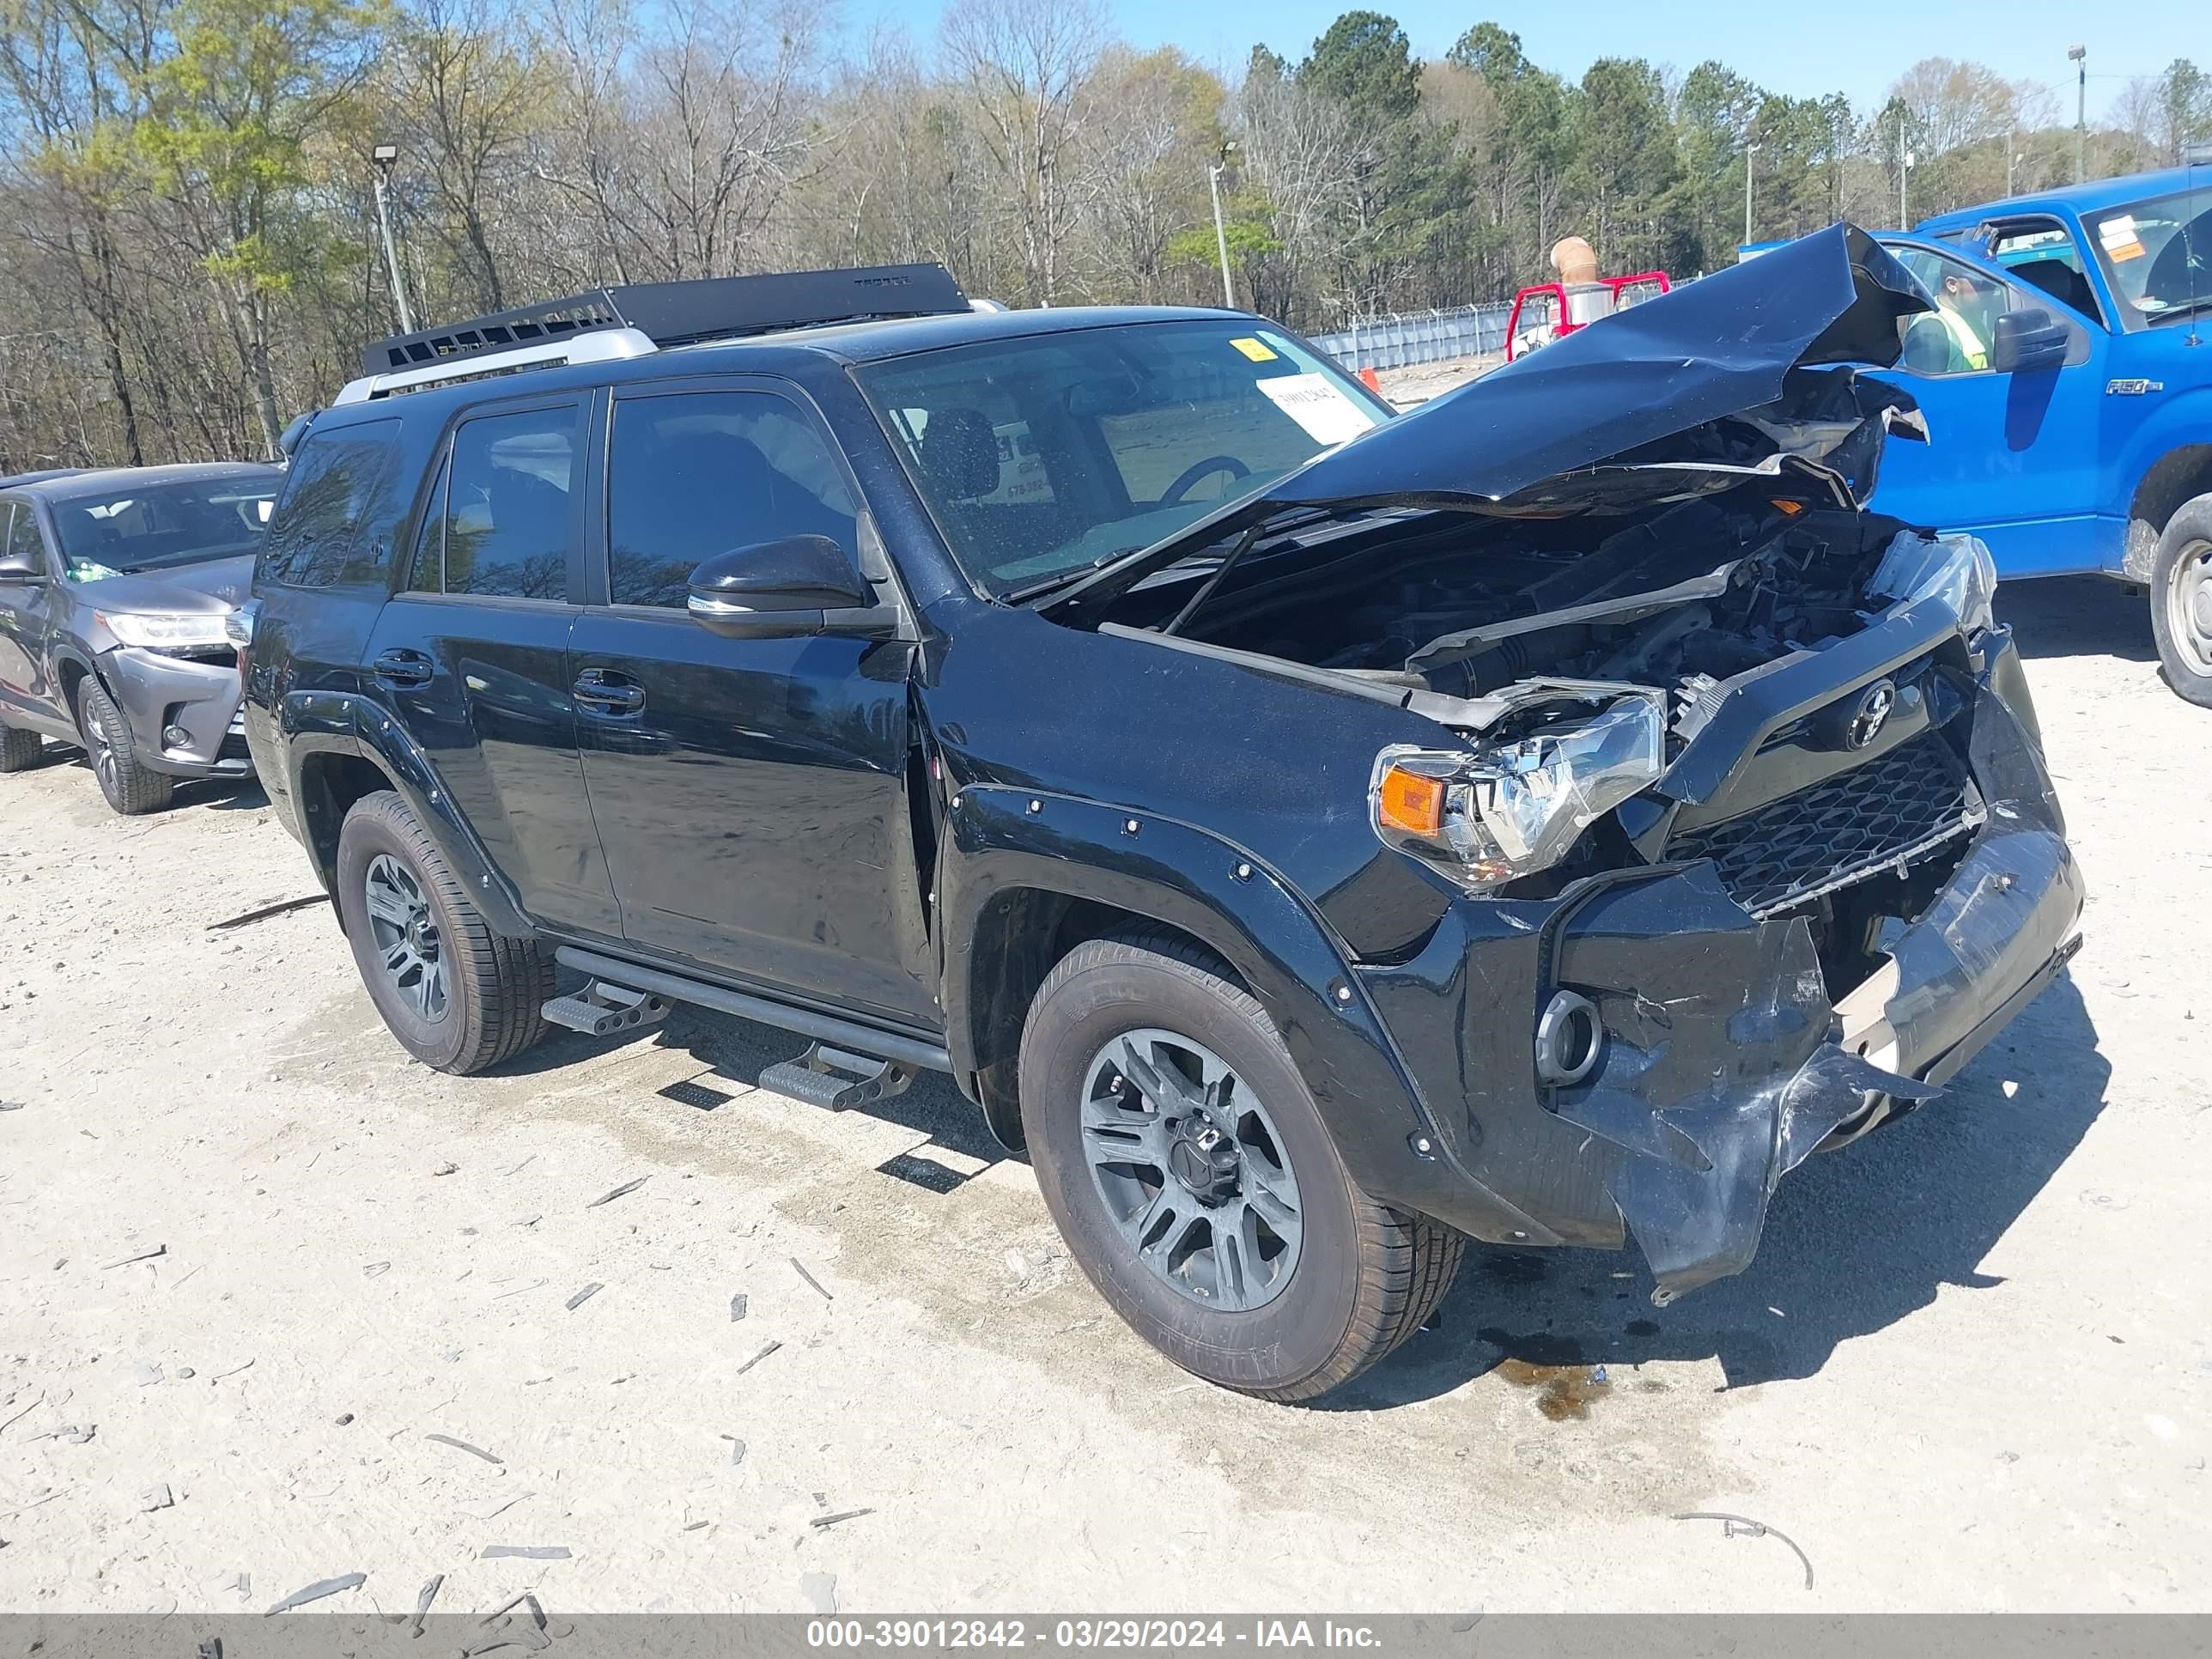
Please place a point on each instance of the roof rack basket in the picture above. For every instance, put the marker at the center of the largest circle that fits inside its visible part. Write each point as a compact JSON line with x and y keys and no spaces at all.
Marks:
{"x":676,"y":313}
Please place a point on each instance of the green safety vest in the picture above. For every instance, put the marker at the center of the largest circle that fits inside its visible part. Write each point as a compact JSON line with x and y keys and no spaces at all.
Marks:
{"x":1967,"y":343}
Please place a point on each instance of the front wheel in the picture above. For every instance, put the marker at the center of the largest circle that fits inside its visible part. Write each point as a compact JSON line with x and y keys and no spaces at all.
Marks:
{"x":1184,"y":1160}
{"x":457,"y":995}
{"x":19,"y":750}
{"x":2181,"y":601}
{"x":130,"y":787}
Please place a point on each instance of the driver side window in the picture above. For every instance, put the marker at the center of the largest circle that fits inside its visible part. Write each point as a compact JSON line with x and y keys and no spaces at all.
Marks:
{"x":1954,"y":338}
{"x":23,"y":540}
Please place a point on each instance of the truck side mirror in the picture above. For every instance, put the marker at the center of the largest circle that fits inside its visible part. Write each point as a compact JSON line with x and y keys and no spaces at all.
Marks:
{"x":796,"y":585}
{"x":2026,"y":340}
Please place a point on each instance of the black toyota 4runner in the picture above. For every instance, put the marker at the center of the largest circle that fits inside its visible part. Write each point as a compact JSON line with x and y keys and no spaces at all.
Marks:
{"x":1319,"y":836}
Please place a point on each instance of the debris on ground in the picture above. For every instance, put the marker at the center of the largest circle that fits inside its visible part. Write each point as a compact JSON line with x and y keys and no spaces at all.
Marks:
{"x":820,"y":1588}
{"x":527,"y":1599}
{"x":8,"y":1423}
{"x":232,"y":1371}
{"x":375,"y":1269}
{"x":71,"y":1434}
{"x":446,"y":1168}
{"x":282,"y":907}
{"x":428,"y":1594}
{"x":584,"y":1296}
{"x":494,"y":1514}
{"x":737,"y":1449}
{"x":142,"y":1256}
{"x":463,"y":1445}
{"x":820,"y":1520}
{"x":148,"y":1375}
{"x":318,"y":1590}
{"x":185,"y":1373}
{"x":757,"y":1357}
{"x":1743,"y":1526}
{"x":609,"y":1198}
{"x":156,"y":1496}
{"x":800,"y":1268}
{"x":525,"y":1552}
{"x":737,"y":1307}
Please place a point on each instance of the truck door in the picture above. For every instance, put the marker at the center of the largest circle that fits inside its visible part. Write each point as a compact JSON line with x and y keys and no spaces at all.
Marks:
{"x":751,"y":795}
{"x":2011,"y":456}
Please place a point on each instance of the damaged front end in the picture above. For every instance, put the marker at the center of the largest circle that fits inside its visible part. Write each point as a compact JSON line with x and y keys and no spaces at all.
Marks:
{"x":1733,"y":788}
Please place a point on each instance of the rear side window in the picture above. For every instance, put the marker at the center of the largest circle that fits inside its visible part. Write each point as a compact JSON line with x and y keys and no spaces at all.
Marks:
{"x":695,"y":474}
{"x":334,"y":522}
{"x":508,"y":522}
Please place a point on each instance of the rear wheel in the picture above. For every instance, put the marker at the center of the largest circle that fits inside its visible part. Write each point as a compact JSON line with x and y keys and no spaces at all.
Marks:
{"x":130,"y":787}
{"x":1184,"y":1160}
{"x":2181,"y":601}
{"x":19,"y":750}
{"x":458,"y":996}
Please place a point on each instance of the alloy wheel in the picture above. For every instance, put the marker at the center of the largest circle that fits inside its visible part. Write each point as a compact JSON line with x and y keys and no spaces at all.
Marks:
{"x":2188,"y":601}
{"x":404,"y":931}
{"x":1192,"y":1170}
{"x":104,"y":765}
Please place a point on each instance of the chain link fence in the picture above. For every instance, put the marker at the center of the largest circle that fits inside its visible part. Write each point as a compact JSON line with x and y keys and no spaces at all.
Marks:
{"x":1402,"y":339}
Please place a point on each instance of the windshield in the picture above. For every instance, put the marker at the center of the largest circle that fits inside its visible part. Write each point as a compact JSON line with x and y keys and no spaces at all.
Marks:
{"x":2157,"y":255}
{"x":158,"y":527}
{"x":1049,"y":455}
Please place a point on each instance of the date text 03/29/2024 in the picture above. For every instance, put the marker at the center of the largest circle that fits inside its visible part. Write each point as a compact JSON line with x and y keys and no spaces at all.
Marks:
{"x":1088,"y":1633}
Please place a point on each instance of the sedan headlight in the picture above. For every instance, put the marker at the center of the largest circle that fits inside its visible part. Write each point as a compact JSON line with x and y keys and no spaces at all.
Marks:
{"x":1958,"y":569}
{"x":1506,"y":810}
{"x":159,"y":630}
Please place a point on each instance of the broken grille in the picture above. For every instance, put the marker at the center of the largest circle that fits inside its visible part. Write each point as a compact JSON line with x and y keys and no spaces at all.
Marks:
{"x":1885,"y":815}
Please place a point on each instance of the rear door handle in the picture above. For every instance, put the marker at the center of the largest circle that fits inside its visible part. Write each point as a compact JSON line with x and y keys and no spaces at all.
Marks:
{"x":403,"y":668}
{"x":608,"y":693}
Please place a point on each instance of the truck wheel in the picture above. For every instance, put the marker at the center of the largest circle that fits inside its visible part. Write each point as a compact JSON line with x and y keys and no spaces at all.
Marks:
{"x":19,"y":750}
{"x":457,"y":995}
{"x":130,"y":789}
{"x":2181,"y":601}
{"x":1185,"y":1162}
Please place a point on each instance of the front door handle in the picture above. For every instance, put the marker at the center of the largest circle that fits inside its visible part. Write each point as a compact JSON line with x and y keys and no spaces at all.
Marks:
{"x":607,"y":694}
{"x":403,"y":668}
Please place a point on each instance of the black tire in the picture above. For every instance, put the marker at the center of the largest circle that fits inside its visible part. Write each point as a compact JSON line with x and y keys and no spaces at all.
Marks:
{"x":19,"y":750}
{"x":130,"y":788}
{"x":1365,"y":1276}
{"x":2181,"y":601}
{"x":495,"y":987}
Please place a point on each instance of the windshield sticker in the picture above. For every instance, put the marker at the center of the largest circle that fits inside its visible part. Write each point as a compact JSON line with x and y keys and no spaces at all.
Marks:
{"x":1254,"y":350}
{"x":1318,"y":406}
{"x":2121,"y":241}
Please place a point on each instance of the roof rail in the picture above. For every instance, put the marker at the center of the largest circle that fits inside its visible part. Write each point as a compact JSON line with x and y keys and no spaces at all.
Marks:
{"x":676,"y":313}
{"x":600,"y":346}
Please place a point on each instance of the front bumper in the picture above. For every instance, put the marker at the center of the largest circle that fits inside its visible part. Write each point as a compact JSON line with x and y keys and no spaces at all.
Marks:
{"x":201,"y":699}
{"x":1725,"y":1061}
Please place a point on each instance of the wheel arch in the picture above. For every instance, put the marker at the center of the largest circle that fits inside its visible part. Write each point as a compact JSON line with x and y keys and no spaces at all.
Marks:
{"x":2181,"y":473}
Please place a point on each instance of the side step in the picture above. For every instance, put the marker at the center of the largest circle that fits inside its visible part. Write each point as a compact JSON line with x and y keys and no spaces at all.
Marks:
{"x":837,"y":1080}
{"x":600,"y":1008}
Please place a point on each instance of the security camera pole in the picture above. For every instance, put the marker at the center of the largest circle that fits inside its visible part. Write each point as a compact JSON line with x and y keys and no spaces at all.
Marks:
{"x":1221,"y":233}
{"x":384,"y":155}
{"x":2079,"y":56}
{"x":1750,"y":155}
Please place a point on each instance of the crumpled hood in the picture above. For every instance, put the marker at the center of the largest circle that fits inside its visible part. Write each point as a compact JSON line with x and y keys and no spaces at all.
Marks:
{"x":216,"y":586}
{"x":1741,"y":374}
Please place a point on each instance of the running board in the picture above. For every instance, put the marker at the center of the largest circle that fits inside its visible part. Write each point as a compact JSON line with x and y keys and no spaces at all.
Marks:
{"x":600,"y":1008}
{"x":850,"y":1035}
{"x":837,"y":1081}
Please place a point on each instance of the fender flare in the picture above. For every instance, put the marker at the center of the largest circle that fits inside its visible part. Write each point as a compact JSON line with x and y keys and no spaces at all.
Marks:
{"x":1001,"y":838}
{"x":347,"y":723}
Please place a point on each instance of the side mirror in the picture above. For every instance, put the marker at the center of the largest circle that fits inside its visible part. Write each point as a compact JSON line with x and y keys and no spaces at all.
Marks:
{"x":20,"y":568}
{"x":2026,"y":340}
{"x":775,"y":590}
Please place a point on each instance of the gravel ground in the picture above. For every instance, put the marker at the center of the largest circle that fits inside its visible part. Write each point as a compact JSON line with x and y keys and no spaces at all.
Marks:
{"x":251,"y":1261}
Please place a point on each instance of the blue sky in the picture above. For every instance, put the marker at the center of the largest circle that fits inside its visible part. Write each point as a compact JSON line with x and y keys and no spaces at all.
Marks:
{"x":1856,"y":46}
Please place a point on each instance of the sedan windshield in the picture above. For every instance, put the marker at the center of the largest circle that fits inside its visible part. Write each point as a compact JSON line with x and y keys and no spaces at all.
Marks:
{"x":1049,"y":455}
{"x":158,"y":527}
{"x":2157,"y":255}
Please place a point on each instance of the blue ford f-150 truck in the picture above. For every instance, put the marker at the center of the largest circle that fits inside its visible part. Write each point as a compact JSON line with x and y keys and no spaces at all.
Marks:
{"x":2073,"y":341}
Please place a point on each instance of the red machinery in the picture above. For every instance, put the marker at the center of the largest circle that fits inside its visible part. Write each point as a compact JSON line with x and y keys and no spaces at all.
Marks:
{"x":1544,"y":313}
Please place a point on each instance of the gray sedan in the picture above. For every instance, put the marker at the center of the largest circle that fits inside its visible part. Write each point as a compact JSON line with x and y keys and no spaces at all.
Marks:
{"x":114,"y":588}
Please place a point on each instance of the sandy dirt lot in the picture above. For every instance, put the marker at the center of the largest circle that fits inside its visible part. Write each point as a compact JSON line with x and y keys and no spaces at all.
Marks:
{"x":253,"y":1261}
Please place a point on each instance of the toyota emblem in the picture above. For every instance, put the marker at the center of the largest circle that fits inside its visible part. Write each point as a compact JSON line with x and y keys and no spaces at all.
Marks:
{"x":1869,"y":715}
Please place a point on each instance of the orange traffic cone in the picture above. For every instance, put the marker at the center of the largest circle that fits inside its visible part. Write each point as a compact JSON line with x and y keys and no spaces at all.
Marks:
{"x":1367,"y":379}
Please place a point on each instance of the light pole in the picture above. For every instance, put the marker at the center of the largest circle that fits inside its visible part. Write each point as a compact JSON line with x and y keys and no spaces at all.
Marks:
{"x":1220,"y":231}
{"x":1903,"y":166}
{"x":385,"y":156}
{"x":1750,"y":154}
{"x":2079,"y":56}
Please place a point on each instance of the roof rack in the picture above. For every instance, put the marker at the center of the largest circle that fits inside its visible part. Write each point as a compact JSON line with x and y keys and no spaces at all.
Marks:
{"x":674,"y":314}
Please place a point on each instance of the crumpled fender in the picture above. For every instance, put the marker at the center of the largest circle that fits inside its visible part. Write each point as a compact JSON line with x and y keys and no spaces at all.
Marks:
{"x":999,"y":838}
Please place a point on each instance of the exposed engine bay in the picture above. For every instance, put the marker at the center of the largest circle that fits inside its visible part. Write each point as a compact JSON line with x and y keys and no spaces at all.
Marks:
{"x":1677,"y":602}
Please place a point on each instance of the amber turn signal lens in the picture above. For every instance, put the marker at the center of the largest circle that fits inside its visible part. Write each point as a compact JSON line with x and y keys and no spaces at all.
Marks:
{"x":1411,"y":802}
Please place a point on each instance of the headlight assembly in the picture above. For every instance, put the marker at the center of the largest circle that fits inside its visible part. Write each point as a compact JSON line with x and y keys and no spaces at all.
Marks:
{"x":167,"y":630}
{"x":1958,"y":569}
{"x":1505,"y":810}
